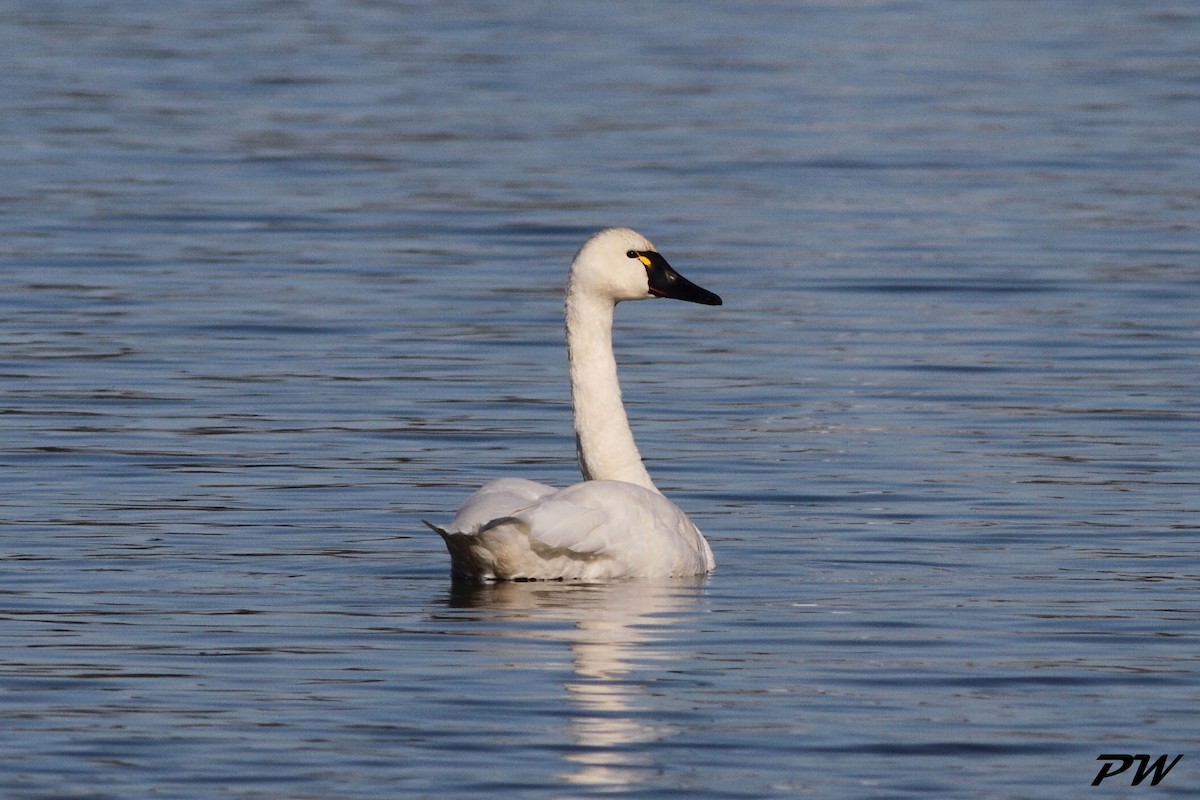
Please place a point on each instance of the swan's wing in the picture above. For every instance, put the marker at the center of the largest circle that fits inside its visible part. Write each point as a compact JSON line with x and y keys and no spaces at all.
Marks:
{"x":613,"y":518}
{"x":496,"y":499}
{"x":559,"y":524}
{"x":596,"y":530}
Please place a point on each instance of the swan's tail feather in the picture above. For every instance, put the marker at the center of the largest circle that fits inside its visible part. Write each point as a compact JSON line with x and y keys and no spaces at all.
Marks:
{"x":463,"y":561}
{"x":504,"y":550}
{"x":485,"y":554}
{"x":439,"y":531}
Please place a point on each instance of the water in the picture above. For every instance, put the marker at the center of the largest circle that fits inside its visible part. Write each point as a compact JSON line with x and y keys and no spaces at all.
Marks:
{"x":284,"y":279}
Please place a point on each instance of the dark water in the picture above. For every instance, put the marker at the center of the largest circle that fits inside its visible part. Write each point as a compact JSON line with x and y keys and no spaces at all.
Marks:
{"x":283,"y":279}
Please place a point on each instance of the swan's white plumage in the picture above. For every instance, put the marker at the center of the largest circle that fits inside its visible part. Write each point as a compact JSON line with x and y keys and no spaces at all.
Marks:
{"x":615,"y":524}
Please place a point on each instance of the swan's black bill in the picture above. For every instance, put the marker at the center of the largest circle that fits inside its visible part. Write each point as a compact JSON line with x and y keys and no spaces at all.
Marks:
{"x":666,"y":282}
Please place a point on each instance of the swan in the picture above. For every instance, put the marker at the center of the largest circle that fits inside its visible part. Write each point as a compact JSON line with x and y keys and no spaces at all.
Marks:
{"x":616,"y":523}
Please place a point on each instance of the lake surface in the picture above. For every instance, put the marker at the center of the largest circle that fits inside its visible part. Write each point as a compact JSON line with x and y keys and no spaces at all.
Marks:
{"x":284,"y":279}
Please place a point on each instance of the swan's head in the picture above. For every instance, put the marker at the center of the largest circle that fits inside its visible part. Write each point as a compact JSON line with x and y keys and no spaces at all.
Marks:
{"x":621,"y":264}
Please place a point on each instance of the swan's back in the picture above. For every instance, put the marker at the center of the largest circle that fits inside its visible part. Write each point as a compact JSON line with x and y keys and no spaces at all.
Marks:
{"x":594,"y":531}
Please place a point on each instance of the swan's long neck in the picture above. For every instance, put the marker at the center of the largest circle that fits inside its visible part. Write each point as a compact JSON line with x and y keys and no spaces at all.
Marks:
{"x":602,"y":436}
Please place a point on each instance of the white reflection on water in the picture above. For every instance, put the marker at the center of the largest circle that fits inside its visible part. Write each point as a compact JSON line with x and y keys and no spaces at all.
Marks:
{"x":615,"y":633}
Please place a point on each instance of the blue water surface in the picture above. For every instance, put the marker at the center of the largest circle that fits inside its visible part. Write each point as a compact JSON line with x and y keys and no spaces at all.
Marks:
{"x":284,"y":279}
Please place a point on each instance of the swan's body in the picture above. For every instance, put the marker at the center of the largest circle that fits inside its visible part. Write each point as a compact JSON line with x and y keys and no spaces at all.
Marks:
{"x":615,"y":524}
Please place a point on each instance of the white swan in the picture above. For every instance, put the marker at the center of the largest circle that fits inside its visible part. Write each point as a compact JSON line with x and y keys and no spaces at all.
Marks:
{"x":616,"y":524}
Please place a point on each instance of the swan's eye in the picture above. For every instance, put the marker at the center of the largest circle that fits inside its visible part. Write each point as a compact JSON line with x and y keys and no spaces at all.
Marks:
{"x":639,"y":256}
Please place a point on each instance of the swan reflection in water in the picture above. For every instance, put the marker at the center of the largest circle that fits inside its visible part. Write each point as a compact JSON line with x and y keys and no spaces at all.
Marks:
{"x":617,"y":633}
